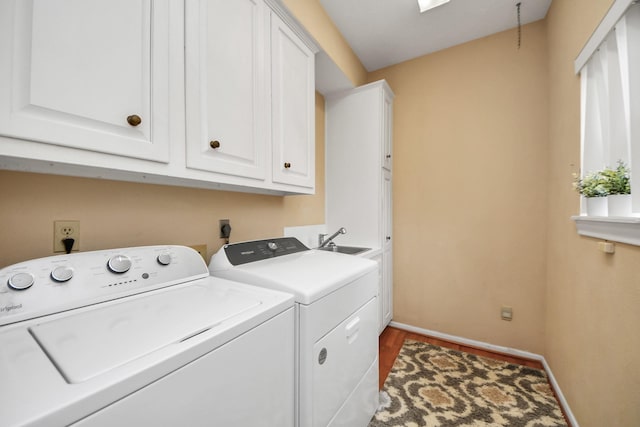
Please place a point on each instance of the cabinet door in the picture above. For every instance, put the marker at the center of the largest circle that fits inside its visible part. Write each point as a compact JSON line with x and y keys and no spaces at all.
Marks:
{"x":72,"y":72}
{"x":293,"y":107}
{"x":387,"y":250}
{"x":225,"y":82}
{"x":387,"y":130}
{"x":381,"y":325}
{"x":387,"y":211}
{"x":386,"y":299}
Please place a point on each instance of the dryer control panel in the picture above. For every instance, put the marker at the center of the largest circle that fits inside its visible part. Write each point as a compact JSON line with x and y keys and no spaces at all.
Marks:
{"x":257,"y":250}
{"x":53,"y":284}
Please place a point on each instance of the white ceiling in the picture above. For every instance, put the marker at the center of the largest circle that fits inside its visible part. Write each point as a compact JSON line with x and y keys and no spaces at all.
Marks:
{"x":386,"y":32}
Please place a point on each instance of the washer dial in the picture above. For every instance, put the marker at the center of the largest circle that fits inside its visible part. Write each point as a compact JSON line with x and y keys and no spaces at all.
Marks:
{"x":21,"y":281}
{"x":62,"y":273}
{"x":164,"y":259}
{"x":119,"y":264}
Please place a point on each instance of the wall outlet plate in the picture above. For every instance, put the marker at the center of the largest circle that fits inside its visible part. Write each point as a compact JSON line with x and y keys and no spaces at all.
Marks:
{"x":607,"y":247}
{"x":223,"y":234}
{"x":66,"y":230}
{"x":506,"y":313}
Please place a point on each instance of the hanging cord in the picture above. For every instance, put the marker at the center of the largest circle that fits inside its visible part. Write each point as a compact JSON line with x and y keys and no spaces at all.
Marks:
{"x":519,"y":25}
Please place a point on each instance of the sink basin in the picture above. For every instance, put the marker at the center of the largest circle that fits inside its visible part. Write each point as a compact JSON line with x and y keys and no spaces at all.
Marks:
{"x":351,"y":250}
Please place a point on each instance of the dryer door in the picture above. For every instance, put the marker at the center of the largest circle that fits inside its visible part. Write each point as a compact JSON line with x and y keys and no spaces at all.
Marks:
{"x":342,"y":358}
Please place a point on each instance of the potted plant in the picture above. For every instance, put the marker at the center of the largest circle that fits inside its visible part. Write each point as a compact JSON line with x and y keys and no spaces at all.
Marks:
{"x":595,"y":188}
{"x":618,"y":185}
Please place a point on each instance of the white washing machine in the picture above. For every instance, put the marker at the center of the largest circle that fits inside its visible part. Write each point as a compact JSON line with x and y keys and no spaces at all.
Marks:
{"x":142,"y":337}
{"x":336,"y":323}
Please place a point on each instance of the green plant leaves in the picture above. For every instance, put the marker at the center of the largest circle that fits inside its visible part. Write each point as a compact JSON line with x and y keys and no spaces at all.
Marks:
{"x":605,"y":182}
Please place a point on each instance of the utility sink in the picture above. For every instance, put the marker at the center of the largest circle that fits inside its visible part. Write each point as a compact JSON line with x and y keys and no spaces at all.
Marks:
{"x":351,"y":250}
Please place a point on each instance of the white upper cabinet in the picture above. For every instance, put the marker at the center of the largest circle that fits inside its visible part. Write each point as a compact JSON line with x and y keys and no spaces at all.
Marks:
{"x":79,"y":74}
{"x":201,"y":93}
{"x":293,"y":107}
{"x":227,"y":110}
{"x":250,"y":98}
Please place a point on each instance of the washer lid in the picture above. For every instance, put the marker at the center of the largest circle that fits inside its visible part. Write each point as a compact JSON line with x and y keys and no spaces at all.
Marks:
{"x":87,"y":344}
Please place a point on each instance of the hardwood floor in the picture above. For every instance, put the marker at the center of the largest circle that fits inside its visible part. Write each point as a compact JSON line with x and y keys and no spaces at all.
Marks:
{"x":391,"y":341}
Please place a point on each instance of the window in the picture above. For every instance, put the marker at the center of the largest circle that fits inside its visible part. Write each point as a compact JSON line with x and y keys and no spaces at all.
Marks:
{"x":609,"y":68}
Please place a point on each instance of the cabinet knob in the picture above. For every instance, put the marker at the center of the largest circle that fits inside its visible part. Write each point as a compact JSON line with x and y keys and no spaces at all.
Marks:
{"x":388,"y":238}
{"x":134,"y":120}
{"x":287,"y":165}
{"x":214,"y":144}
{"x":388,"y":156}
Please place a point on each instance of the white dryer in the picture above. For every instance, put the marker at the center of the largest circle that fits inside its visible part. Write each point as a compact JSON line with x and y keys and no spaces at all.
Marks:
{"x":141,"y":336}
{"x":336,"y":323}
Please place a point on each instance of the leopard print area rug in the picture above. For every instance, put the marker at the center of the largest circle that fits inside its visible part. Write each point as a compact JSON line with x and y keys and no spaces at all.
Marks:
{"x":434,"y":386}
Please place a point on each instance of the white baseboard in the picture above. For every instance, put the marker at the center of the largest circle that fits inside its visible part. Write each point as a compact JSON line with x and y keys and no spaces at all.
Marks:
{"x":497,"y":349}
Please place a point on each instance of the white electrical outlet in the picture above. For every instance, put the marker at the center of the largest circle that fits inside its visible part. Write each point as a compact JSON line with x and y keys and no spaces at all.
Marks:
{"x":66,"y":230}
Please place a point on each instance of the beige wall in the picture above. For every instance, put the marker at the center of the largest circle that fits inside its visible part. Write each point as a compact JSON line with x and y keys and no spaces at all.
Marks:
{"x":314,"y":18}
{"x":119,"y":214}
{"x":469,"y":181}
{"x":477,"y":128}
{"x":593,"y":299}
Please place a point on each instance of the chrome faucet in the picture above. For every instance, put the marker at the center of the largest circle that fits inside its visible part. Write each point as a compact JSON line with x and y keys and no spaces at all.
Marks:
{"x":322,"y":242}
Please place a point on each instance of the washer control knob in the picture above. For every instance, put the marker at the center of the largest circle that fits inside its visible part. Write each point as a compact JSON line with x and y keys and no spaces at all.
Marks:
{"x":21,"y":281}
{"x":119,"y":264}
{"x":272,"y":245}
{"x":62,"y":273}
{"x":164,"y":259}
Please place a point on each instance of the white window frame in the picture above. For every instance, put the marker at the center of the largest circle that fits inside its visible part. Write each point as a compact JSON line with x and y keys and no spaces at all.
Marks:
{"x":609,"y":138}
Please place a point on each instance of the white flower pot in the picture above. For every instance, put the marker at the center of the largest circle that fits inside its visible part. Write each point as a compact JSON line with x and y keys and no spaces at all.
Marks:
{"x":619,"y":205}
{"x":597,"y":206}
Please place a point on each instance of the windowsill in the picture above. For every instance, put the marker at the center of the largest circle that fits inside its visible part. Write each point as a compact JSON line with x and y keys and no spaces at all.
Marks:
{"x":616,"y":229}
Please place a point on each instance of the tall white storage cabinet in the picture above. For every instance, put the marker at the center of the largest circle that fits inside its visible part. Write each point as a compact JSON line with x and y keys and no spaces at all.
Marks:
{"x":359,"y":176}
